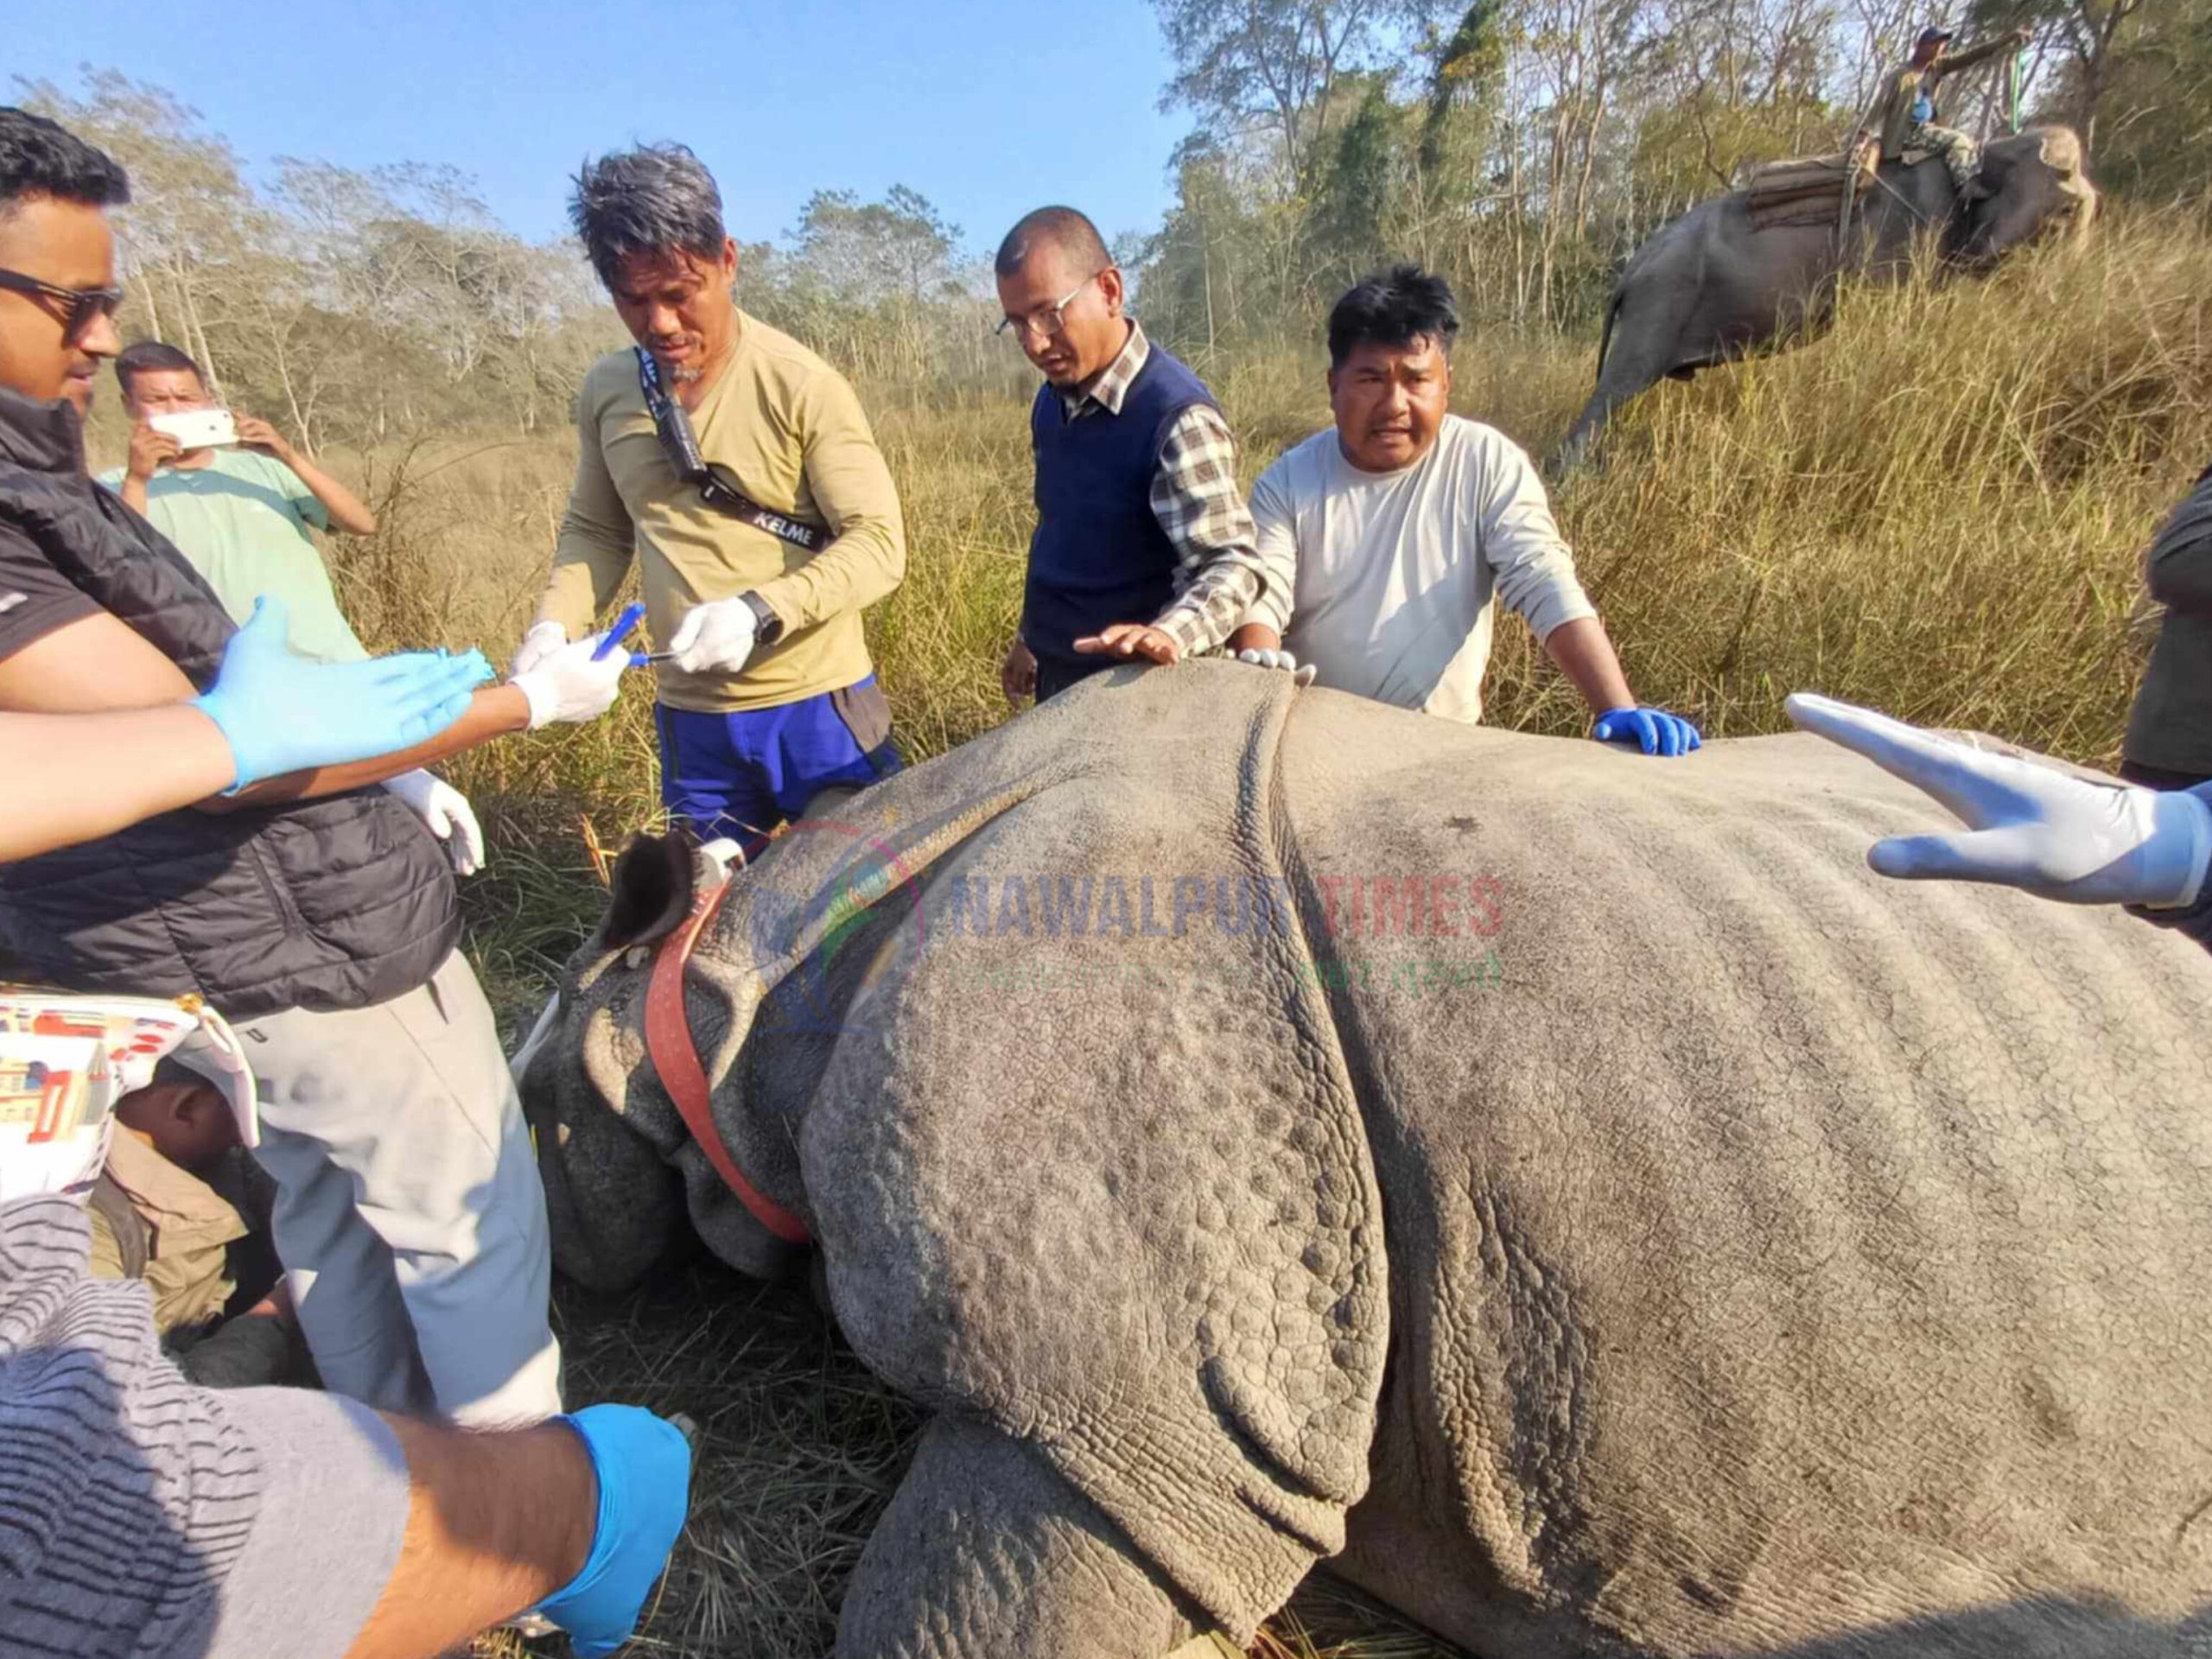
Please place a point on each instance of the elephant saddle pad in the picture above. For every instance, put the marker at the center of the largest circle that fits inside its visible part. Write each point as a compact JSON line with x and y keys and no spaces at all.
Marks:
{"x":1805,"y":191}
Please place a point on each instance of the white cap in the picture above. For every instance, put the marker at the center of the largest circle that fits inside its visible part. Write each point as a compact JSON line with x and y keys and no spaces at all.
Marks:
{"x":66,"y":1060}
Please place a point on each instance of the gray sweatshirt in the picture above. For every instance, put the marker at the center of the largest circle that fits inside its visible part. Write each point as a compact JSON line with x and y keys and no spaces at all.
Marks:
{"x":140,"y":1515}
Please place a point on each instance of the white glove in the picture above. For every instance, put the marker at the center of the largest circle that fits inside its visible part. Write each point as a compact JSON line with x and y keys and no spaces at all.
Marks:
{"x":2027,"y":826}
{"x":567,"y":685}
{"x":713,"y":638}
{"x":540,"y":642}
{"x":1266,"y":657}
{"x":447,"y":811}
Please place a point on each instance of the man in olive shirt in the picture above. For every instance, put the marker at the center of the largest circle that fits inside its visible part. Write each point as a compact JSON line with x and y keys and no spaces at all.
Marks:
{"x":1903,"y":114}
{"x":758,"y":550}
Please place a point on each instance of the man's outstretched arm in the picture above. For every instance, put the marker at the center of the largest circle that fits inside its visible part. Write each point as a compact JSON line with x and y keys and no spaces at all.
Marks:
{"x":97,"y":665}
{"x":2032,"y":825}
{"x":284,"y":1521}
{"x":574,"y":1518}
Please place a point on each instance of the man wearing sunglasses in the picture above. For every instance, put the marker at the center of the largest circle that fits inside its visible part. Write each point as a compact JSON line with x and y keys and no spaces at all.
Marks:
{"x":735,"y":467}
{"x":314,"y":910}
{"x":146,"y":1515}
{"x":1143,"y":544}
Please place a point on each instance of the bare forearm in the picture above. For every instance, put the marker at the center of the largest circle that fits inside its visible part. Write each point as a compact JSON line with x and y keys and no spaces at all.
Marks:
{"x":347,"y":511}
{"x":495,"y":1524}
{"x":1586,"y":656}
{"x":134,"y":493}
{"x":1955,"y":61}
{"x":495,"y":712}
{"x":99,"y":773}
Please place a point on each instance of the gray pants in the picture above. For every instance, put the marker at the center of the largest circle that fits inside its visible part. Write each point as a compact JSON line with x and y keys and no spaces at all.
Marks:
{"x":409,"y":1214}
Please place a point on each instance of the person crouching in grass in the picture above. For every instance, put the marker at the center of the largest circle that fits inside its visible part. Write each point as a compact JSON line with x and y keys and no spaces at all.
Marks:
{"x":181,"y":1207}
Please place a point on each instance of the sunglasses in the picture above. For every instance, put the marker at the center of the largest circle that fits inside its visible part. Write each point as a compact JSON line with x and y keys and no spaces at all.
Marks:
{"x":84,"y":303}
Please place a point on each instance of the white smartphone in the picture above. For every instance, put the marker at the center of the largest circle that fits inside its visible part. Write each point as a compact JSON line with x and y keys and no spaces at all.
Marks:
{"x":197,"y":429}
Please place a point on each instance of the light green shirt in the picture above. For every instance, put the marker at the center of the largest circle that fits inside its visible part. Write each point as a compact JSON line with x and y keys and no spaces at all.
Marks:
{"x":243,"y":522}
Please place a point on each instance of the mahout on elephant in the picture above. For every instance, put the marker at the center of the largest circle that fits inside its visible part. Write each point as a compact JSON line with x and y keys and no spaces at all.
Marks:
{"x":1718,"y":281}
{"x":1578,"y":1202}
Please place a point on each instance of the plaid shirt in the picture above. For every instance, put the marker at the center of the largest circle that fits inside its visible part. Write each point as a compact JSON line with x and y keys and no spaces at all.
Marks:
{"x":1195,"y":498}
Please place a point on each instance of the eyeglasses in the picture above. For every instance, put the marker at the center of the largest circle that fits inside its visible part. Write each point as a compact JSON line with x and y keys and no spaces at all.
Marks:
{"x":1049,"y":319}
{"x":85,"y":303}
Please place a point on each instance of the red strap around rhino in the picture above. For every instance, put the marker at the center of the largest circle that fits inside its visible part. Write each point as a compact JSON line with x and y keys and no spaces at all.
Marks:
{"x":675,"y":1057}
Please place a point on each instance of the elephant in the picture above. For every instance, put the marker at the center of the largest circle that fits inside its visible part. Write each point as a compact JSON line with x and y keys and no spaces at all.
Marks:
{"x":1567,"y":1195}
{"x":1706,"y":287}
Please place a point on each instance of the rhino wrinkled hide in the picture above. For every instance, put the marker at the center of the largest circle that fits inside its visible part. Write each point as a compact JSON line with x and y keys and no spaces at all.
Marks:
{"x":1767,"y":1259}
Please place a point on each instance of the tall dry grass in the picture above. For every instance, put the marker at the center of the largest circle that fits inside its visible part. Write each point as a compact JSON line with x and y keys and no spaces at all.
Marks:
{"x":1937,"y":510}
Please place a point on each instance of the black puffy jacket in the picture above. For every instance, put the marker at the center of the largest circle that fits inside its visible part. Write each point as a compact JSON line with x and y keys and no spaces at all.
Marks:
{"x":337,"y":903}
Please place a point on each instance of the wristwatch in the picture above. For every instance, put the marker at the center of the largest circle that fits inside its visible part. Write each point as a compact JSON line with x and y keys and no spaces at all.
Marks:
{"x":768,"y":627}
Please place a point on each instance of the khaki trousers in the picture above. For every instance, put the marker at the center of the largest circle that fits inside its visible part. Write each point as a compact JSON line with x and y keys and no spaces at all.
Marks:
{"x":409,"y":1214}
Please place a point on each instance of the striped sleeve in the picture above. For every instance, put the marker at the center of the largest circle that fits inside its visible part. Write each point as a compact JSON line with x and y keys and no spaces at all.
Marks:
{"x":136,"y":1513}
{"x":1196,"y":501}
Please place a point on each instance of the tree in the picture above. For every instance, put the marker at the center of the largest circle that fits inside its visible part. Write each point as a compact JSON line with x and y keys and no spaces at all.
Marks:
{"x":2094,"y":39}
{"x":190,"y":234}
{"x":1278,"y":65}
{"x":867,"y":253}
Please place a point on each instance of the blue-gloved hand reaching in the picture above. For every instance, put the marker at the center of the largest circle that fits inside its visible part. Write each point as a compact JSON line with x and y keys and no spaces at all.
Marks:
{"x":1652,"y":730}
{"x":284,"y":713}
{"x":644,"y":1467}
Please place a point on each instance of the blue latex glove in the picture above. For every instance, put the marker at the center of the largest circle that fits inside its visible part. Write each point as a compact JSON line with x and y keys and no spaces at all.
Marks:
{"x":1652,"y":730}
{"x":284,"y":713}
{"x":644,"y":1467}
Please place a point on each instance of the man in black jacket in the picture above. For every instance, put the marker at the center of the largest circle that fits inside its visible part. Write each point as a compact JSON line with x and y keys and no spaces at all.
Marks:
{"x":314,"y":911}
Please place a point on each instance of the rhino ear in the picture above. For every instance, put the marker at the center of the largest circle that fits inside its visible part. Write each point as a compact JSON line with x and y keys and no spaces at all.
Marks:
{"x":653,"y":883}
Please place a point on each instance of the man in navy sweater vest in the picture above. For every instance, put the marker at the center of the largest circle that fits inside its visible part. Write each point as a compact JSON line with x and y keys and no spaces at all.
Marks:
{"x":1144,"y":545}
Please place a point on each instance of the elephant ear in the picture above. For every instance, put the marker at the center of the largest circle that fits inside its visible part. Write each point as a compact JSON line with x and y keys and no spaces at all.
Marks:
{"x":1086,"y":1163}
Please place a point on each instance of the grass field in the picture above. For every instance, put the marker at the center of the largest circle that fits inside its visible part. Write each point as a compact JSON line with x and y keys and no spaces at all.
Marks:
{"x":1937,"y":509}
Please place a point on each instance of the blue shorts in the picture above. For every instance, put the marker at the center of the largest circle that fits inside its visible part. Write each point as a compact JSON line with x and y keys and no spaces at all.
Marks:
{"x":741,"y":774}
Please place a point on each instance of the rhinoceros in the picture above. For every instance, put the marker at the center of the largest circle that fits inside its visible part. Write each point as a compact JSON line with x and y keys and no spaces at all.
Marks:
{"x":1564,"y":1193}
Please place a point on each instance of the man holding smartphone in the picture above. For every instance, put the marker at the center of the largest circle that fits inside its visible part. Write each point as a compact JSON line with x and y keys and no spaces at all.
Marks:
{"x":237,"y":501}
{"x":241,"y":512}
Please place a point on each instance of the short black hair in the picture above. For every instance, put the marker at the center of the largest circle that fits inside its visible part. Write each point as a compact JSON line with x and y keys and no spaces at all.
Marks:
{"x":656,"y":199}
{"x":152,"y":357}
{"x":39,"y":157}
{"x":1061,"y":227}
{"x":1393,"y":307}
{"x":171,"y":1072}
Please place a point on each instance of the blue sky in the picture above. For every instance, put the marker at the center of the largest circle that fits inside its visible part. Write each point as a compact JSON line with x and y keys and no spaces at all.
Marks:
{"x":987,"y":107}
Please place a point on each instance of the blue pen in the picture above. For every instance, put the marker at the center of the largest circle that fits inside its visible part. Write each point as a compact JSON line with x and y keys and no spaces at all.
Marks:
{"x":615,"y":635}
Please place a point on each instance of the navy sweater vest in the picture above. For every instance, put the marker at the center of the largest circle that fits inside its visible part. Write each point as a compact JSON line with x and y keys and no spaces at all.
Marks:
{"x":1099,"y":556}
